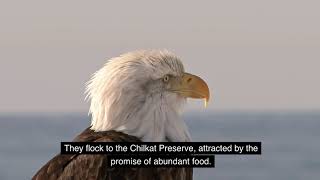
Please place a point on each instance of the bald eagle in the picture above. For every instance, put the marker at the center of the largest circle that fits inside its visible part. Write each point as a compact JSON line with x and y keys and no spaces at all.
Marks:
{"x":135,"y":97}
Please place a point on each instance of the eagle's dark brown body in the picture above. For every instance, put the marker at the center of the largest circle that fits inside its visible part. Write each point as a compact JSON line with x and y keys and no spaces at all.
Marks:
{"x":92,"y":167}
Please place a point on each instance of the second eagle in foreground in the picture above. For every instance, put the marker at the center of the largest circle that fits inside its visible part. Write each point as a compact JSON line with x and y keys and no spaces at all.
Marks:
{"x":137,"y":96}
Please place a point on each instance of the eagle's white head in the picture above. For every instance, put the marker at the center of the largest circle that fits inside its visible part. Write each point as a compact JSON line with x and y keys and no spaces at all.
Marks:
{"x":141,"y":93}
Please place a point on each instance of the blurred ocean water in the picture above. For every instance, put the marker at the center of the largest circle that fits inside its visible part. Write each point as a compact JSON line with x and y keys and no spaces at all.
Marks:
{"x":290,"y":143}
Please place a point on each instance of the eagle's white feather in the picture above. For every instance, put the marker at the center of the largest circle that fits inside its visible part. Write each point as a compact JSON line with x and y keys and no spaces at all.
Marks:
{"x":127,"y":95}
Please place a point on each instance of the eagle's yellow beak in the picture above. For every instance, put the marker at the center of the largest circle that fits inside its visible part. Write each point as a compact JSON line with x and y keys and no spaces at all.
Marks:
{"x":191,"y":86}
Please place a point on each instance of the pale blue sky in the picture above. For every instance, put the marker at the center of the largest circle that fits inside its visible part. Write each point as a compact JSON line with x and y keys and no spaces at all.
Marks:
{"x":261,"y":55}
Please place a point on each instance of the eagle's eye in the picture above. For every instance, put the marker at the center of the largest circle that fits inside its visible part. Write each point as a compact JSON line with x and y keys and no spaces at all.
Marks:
{"x":166,"y":78}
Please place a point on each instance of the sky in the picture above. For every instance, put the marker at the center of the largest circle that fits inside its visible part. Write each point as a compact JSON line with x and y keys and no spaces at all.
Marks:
{"x":254,"y":55}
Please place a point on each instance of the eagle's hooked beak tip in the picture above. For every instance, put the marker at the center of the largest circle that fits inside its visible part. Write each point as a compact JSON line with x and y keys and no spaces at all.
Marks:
{"x":206,"y":101}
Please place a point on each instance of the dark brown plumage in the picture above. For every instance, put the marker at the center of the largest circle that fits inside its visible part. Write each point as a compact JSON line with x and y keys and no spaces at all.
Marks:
{"x":94,"y":167}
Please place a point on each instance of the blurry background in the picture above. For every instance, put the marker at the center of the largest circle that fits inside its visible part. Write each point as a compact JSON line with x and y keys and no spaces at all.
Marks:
{"x":260,"y":58}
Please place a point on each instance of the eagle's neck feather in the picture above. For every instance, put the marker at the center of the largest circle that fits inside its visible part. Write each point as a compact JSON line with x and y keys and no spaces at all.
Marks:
{"x":152,"y":118}
{"x":157,"y":120}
